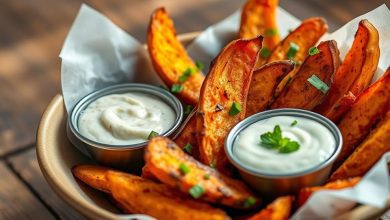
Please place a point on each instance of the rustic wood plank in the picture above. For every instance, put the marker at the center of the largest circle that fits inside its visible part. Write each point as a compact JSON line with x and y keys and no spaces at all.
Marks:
{"x":16,"y":201}
{"x":27,"y":167}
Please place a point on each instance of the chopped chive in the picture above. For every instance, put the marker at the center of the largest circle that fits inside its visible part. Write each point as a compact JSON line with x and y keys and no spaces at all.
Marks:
{"x":196,"y":191}
{"x":206,"y":176}
{"x":295,"y":122}
{"x":188,"y":109}
{"x":199,"y":65}
{"x":270,"y":32}
{"x":249,"y":202}
{"x":235,"y":109}
{"x":152,"y":134}
{"x":176,"y":88}
{"x":265,"y":52}
{"x":292,"y":51}
{"x":313,"y":51}
{"x":318,"y":83}
{"x":188,"y":148}
{"x":212,"y":165}
{"x":187,"y":73}
{"x":184,"y":169}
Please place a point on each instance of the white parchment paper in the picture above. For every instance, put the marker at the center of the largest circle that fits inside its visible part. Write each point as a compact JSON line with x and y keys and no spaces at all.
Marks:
{"x":97,"y":53}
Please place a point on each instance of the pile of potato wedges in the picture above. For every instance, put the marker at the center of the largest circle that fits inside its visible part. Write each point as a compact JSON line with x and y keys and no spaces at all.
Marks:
{"x":189,"y":177}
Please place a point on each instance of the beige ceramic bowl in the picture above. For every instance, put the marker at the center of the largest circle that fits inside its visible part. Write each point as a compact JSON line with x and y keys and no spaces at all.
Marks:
{"x":56,"y":157}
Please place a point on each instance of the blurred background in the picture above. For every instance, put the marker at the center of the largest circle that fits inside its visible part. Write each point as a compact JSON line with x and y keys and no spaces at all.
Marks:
{"x":31,"y":37}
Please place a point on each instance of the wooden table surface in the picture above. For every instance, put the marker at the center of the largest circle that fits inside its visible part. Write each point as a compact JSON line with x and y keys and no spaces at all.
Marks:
{"x":32,"y":33}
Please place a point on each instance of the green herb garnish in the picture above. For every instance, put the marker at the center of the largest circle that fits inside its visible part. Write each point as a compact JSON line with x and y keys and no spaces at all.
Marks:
{"x":188,"y":148}
{"x":265,"y":52}
{"x":184,"y":169}
{"x":318,"y":83}
{"x":212,"y":165}
{"x":196,"y":191}
{"x":187,"y":73}
{"x":199,"y":65}
{"x":313,"y":51}
{"x":295,"y":122}
{"x":152,"y":134}
{"x":176,"y":88}
{"x":292,"y":51}
{"x":270,"y":32}
{"x":274,"y":140}
{"x":206,"y":176}
{"x":235,"y":109}
{"x":249,"y":202}
{"x":188,"y":109}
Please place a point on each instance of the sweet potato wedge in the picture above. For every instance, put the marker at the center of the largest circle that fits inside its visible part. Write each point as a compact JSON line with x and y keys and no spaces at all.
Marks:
{"x":263,"y":85}
{"x":305,"y":193}
{"x":280,"y":209}
{"x":137,"y":195}
{"x":92,"y":175}
{"x":304,"y":37}
{"x":368,"y":109}
{"x":368,"y":153}
{"x":225,"y":89}
{"x":300,"y":93}
{"x":258,"y":17}
{"x":355,"y":72}
{"x":175,"y":168}
{"x":170,"y":59}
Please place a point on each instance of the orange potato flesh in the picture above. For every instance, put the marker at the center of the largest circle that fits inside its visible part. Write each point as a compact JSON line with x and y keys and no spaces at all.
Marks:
{"x":305,"y":193}
{"x":368,"y":109}
{"x":263,"y":85}
{"x":279,"y":209}
{"x":305,"y":36}
{"x":227,"y":83}
{"x":164,"y":159}
{"x":367,"y":153}
{"x":170,"y":59}
{"x":92,"y":175}
{"x":141,"y":196}
{"x":302,"y":94}
{"x":258,"y":17}
{"x":354,"y":74}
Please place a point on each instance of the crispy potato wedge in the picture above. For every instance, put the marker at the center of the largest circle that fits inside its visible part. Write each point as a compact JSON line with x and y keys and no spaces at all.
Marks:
{"x":279,"y":209}
{"x":170,"y":59}
{"x":175,"y":168}
{"x":302,"y":94}
{"x":305,"y":193}
{"x":225,"y":86}
{"x":93,"y":175}
{"x":258,"y":17}
{"x":137,"y":195}
{"x":305,"y":36}
{"x":263,"y":85}
{"x":368,"y":153}
{"x":368,"y":109}
{"x":355,"y":72}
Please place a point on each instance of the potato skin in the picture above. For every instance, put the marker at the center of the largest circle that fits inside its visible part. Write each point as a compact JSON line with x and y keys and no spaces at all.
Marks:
{"x":355,"y":72}
{"x":368,"y":153}
{"x":369,"y":108}
{"x":263,"y":85}
{"x":227,"y":82}
{"x":92,"y":175}
{"x":279,"y":209}
{"x":169,"y":57}
{"x":137,"y":195}
{"x":164,"y":158}
{"x":305,"y":193}
{"x":300,"y":93}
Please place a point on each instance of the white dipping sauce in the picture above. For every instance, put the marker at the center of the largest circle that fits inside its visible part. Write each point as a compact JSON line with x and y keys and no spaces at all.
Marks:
{"x":317,"y":144}
{"x":123,"y":119}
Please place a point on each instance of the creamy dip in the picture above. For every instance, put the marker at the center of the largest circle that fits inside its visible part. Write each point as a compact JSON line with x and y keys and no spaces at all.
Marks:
{"x":122,"y":119}
{"x":317,"y":144}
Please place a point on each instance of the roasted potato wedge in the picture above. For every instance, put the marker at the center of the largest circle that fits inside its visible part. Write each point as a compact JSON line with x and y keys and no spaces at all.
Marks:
{"x":355,"y":72}
{"x":187,"y":136}
{"x":280,"y":209}
{"x":368,"y":153}
{"x":169,"y":164}
{"x":300,"y":40}
{"x":93,"y":175}
{"x":137,"y":195}
{"x":222,"y":101}
{"x":305,"y":193}
{"x":170,"y":59}
{"x":300,"y":93}
{"x":263,"y":85}
{"x":368,"y":109}
{"x":258,"y":17}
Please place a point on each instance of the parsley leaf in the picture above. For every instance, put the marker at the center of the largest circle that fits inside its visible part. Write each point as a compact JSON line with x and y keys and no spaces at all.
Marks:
{"x":274,"y":140}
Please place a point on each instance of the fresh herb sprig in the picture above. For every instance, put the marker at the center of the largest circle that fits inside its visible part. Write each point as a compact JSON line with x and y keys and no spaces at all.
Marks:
{"x":274,"y":140}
